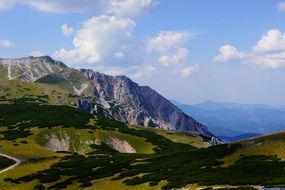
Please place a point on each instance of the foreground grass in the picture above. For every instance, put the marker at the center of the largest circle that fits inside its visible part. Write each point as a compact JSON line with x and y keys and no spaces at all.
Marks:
{"x":179,"y":137}
{"x":163,"y":160}
{"x":266,"y":145}
{"x":18,"y":89}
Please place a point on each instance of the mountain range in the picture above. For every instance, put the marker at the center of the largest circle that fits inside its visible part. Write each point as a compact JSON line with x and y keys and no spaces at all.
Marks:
{"x":119,"y":97}
{"x":233,"y":121}
{"x":62,"y":128}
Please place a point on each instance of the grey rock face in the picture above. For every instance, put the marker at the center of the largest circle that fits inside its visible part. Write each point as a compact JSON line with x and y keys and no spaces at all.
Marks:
{"x":140,"y":104}
{"x":29,"y":69}
{"x":215,"y":141}
{"x":117,"y":97}
{"x":121,"y":146}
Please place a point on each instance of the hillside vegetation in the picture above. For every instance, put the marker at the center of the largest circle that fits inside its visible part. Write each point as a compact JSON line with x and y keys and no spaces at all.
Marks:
{"x":63,"y":147}
{"x":158,"y":161}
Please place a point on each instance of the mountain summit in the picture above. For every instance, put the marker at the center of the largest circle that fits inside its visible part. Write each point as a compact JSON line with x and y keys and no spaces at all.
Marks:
{"x":28,"y":68}
{"x":123,"y":99}
{"x":142,"y":105}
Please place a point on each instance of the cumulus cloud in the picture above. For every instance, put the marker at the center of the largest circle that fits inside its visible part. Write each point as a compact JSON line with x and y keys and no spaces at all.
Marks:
{"x":7,"y":4}
{"x":188,"y":71}
{"x":142,"y":71}
{"x":130,"y":8}
{"x":269,"y":52}
{"x":6,"y":43}
{"x":169,"y":45}
{"x":228,"y":52}
{"x":100,"y":37}
{"x":274,"y":40}
{"x":178,"y":57}
{"x":59,"y":6}
{"x":135,"y":72}
{"x":107,"y":39}
{"x":173,"y":56}
{"x":281,"y":6}
{"x":66,"y":30}
{"x":119,"y":55}
{"x":122,"y":8}
{"x":66,"y":6}
{"x":167,"y":40}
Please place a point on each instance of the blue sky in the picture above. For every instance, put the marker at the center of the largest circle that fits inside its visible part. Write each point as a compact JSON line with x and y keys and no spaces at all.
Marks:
{"x":188,"y":50}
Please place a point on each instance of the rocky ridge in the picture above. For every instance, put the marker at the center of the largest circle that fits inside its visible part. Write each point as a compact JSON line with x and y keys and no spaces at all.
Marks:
{"x":119,"y":96}
{"x":31,"y":68}
{"x":140,"y":105}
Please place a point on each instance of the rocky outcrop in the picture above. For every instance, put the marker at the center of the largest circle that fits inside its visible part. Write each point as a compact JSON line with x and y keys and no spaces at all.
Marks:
{"x":72,"y":141}
{"x":121,"y":146}
{"x":140,"y":104}
{"x":116,"y":97}
{"x":30,"y":69}
{"x":56,"y":143}
{"x":215,"y":141}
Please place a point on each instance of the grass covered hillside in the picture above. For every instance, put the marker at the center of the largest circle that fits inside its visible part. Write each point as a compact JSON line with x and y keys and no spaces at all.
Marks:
{"x":61,"y":147}
{"x":12,"y":89}
{"x":34,"y":131}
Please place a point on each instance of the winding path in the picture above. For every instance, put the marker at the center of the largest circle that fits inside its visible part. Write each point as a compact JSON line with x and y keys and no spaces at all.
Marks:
{"x":12,"y":166}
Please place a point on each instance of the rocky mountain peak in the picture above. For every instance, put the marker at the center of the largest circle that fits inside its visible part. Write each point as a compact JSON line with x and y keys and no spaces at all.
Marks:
{"x":29,"y":68}
{"x":141,"y":105}
{"x":121,"y":98}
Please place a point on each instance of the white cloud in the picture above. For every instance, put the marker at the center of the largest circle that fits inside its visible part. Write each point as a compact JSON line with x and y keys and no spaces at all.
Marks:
{"x":142,"y":71}
{"x":119,"y":55}
{"x":169,"y":45}
{"x":281,"y":6}
{"x":66,"y":6}
{"x":228,"y":52}
{"x":7,"y":4}
{"x":122,"y":8}
{"x":188,"y":71}
{"x":135,"y":72}
{"x":37,"y":53}
{"x":269,"y":52}
{"x":274,"y":40}
{"x":130,"y":8}
{"x":167,"y":40}
{"x":99,"y":38}
{"x":107,"y":39}
{"x":6,"y":43}
{"x":269,"y":60}
{"x":59,"y":6}
{"x":178,"y":57}
{"x":66,"y":30}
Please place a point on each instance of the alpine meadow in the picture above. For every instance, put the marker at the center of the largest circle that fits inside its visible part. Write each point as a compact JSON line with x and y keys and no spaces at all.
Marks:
{"x":142,"y":95}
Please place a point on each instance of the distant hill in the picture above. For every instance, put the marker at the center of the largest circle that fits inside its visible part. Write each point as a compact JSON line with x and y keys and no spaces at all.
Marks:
{"x":228,"y":120}
{"x":239,"y":137}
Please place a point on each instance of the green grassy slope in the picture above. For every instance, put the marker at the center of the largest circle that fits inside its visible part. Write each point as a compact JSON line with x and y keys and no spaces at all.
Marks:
{"x":33,"y":115}
{"x":70,"y":80}
{"x":25,"y":123}
{"x":273,"y":144}
{"x":50,"y":93}
{"x":158,"y":163}
{"x":3,"y":73}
